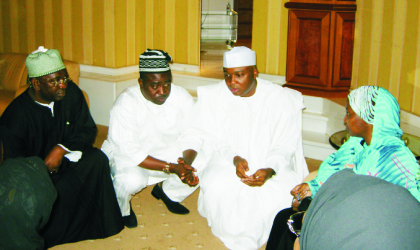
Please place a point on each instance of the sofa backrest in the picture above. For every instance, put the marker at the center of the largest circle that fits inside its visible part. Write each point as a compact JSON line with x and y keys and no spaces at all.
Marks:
{"x":13,"y":74}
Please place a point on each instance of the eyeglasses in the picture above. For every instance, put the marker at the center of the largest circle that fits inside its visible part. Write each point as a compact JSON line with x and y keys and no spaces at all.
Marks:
{"x":55,"y":82}
{"x":295,"y":223}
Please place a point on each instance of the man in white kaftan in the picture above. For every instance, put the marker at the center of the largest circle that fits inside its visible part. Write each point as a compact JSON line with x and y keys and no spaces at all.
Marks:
{"x":145,"y":123}
{"x":255,"y":126}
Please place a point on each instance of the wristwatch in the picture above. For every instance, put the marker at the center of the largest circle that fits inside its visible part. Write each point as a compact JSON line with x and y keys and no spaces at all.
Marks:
{"x":166,"y":168}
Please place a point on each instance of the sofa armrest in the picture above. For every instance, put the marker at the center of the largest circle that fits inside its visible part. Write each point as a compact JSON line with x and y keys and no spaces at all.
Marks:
{"x":310,"y":176}
{"x":73,"y":69}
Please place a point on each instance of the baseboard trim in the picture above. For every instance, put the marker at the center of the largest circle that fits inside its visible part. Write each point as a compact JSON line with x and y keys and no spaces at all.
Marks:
{"x":273,"y":78}
{"x":135,"y":68}
{"x":410,"y":118}
{"x":108,"y":71}
{"x":185,"y":67}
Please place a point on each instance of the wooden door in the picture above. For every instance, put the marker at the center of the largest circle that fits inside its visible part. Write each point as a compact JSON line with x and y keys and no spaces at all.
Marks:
{"x":343,"y":51}
{"x":308,"y":41}
{"x":244,"y":9}
{"x":320,"y":46}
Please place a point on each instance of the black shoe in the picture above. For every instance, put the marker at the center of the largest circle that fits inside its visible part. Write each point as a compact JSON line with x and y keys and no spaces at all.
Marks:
{"x":130,"y":221}
{"x":172,"y":206}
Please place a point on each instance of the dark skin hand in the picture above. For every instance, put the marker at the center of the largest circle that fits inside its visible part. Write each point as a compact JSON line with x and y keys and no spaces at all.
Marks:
{"x":299,"y":192}
{"x":54,"y":158}
{"x":257,"y":179}
{"x":188,"y":157}
{"x":188,"y":177}
{"x":184,"y":171}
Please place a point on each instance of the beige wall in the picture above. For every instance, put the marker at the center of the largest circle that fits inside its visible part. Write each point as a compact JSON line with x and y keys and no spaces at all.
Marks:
{"x":107,"y":33}
{"x":112,"y":33}
{"x":269,"y":36}
{"x":387,"y":49}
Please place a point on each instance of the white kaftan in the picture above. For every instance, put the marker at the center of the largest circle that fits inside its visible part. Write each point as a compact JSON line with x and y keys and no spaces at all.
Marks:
{"x":139,"y":128}
{"x":266,"y":130}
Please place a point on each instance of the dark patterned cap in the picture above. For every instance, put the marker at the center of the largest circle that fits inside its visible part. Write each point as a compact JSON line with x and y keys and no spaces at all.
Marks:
{"x":154,"y":61}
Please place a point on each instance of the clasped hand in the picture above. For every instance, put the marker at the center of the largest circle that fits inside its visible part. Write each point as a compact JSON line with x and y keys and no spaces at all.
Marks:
{"x":257,"y":179}
{"x":299,"y":192}
{"x":186,"y":173}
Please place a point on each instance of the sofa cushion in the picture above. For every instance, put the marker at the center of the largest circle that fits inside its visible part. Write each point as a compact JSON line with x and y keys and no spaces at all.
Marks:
{"x":2,"y":72}
{"x":15,"y":71}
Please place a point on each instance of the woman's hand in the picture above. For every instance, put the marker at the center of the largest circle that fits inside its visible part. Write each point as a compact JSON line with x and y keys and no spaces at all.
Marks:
{"x":299,"y":192}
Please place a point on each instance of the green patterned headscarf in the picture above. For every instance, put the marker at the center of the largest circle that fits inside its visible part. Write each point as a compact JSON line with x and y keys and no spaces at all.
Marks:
{"x":376,"y":106}
{"x":44,"y":62}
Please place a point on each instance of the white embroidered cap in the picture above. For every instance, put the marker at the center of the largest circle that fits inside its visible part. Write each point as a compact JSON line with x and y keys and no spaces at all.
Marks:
{"x":239,"y":57}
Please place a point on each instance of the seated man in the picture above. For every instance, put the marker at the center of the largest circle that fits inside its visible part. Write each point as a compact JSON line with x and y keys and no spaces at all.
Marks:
{"x":251,"y":131}
{"x":26,"y":199}
{"x":145,"y":122}
{"x":51,"y":120}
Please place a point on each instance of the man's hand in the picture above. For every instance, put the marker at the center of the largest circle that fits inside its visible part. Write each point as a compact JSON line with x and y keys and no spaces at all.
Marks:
{"x":188,"y":156}
{"x":259,"y":178}
{"x":185,"y":173}
{"x":241,"y":167}
{"x":54,"y":158}
{"x":299,"y":192}
{"x":256,"y":180}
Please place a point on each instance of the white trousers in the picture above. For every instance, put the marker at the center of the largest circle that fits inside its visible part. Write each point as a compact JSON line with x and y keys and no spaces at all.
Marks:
{"x":133,"y":180}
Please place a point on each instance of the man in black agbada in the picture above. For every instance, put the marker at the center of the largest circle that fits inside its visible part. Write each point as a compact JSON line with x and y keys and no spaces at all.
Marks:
{"x":51,"y":120}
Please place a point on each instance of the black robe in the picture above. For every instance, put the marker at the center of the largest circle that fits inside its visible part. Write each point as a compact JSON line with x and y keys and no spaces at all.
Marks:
{"x":86,"y":205}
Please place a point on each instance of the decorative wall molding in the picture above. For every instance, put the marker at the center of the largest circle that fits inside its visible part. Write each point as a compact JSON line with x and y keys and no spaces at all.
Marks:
{"x":273,"y":78}
{"x":109,"y":71}
{"x":410,"y":118}
{"x":185,"y":67}
{"x":134,"y":69}
{"x":410,"y":123}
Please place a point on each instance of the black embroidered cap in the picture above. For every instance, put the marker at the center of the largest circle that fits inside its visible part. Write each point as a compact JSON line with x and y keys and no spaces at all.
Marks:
{"x":154,"y":61}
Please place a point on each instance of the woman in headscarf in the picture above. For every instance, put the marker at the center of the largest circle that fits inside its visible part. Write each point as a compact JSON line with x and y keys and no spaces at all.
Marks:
{"x":353,"y":211}
{"x":374,"y":148}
